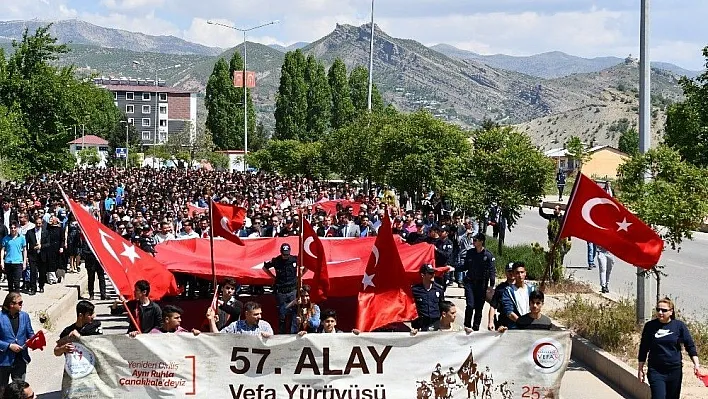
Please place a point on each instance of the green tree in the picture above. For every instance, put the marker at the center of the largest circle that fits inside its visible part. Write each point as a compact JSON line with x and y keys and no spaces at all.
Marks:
{"x":291,"y":158}
{"x":577,"y":150}
{"x":89,"y":156}
{"x":342,"y":107}
{"x":223,"y":117}
{"x":236,"y":65}
{"x":687,"y":121}
{"x":629,"y":141}
{"x":291,"y":101}
{"x":319,"y":100}
{"x":117,"y":139}
{"x":359,"y":86}
{"x":259,"y":138}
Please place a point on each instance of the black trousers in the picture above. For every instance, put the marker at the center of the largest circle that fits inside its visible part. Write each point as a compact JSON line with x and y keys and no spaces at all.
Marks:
{"x":14,"y":275}
{"x":18,"y":370}
{"x":665,"y":384}
{"x":282,"y":299}
{"x":34,"y":270}
{"x":94,"y":269}
{"x":475,"y":292}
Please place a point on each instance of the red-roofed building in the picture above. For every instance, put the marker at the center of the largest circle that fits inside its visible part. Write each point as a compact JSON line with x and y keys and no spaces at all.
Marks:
{"x":90,"y":141}
{"x":154,"y":110}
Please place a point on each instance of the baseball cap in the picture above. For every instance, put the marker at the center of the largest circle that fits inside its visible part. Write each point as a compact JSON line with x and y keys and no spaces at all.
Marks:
{"x":509,"y":267}
{"x":427,"y":268}
{"x":419,"y":223}
{"x":285,"y":248}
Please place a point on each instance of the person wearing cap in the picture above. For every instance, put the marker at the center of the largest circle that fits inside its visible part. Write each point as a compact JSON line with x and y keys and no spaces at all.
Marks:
{"x":428,"y":296}
{"x":496,"y":321}
{"x":285,"y":286}
{"x":481,"y":274}
{"x":443,"y":252}
{"x":419,"y":235}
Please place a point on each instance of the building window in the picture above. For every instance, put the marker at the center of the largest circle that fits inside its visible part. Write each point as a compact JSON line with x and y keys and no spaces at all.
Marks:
{"x":146,"y":96}
{"x":163,"y":110}
{"x":115,"y":95}
{"x":163,"y":96}
{"x":131,"y":121}
{"x":129,"y":109}
{"x":129,"y":95}
{"x":162,"y":137}
{"x":163,"y":122}
{"x":146,"y":135}
{"x":146,"y":109}
{"x":104,"y":149}
{"x":146,"y":122}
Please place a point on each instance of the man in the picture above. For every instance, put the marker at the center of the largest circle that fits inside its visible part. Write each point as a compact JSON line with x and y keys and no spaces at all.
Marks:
{"x":327,"y":230}
{"x":165,"y":233}
{"x":365,"y":228}
{"x":19,"y":389}
{"x":329,"y":322}
{"x":13,"y":257}
{"x":7,"y":213}
{"x":418,"y":235}
{"x":146,"y":312}
{"x":285,"y":277}
{"x":252,"y":324}
{"x":495,"y":304}
{"x":534,"y":320}
{"x":37,"y":246}
{"x":94,"y":270}
{"x":25,"y":224}
{"x":464,"y":244}
{"x":347,"y":228}
{"x":515,"y":298}
{"x":85,"y":325}
{"x":481,"y":274}
{"x":428,"y":295}
{"x":204,"y":228}
{"x":443,"y":253}
{"x":555,"y":216}
{"x":228,"y":307}
{"x":605,"y":261}
{"x":446,"y":322}
{"x":273,"y":229}
{"x":560,"y":183}
{"x":15,"y":330}
{"x":172,"y":322}
{"x":187,"y":231}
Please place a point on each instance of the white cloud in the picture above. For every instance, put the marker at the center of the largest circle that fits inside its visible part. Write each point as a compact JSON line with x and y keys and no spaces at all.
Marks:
{"x":132,"y":4}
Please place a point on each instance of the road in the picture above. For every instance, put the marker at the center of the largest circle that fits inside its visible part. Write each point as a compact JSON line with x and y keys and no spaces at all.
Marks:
{"x":686,"y":279}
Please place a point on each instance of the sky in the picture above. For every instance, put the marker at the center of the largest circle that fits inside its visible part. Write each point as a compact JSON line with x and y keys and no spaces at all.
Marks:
{"x":587,"y":28}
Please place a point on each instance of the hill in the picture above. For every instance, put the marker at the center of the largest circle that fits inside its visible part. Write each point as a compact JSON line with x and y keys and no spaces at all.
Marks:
{"x":550,"y":65}
{"x":79,"y":32}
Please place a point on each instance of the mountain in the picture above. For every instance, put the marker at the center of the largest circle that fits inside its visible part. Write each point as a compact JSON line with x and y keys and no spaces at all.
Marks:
{"x":80,"y":32}
{"x":291,"y":47}
{"x":550,"y":65}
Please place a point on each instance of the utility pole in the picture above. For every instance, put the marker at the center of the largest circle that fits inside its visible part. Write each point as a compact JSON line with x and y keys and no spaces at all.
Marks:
{"x":371,"y":57}
{"x":644,"y":297}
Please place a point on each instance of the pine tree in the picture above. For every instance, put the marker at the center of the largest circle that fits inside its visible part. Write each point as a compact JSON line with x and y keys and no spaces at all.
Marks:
{"x":342,"y":107}
{"x":319,"y":100}
{"x":359,"y":86}
{"x":291,"y":100}
{"x":222,"y":107}
{"x":236,"y":64}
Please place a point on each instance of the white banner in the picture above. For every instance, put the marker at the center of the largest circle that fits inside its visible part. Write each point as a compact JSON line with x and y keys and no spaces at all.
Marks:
{"x":434,"y":365}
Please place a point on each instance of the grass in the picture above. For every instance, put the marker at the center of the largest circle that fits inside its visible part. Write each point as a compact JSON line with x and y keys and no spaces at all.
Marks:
{"x":535,"y":262}
{"x":699,"y":332}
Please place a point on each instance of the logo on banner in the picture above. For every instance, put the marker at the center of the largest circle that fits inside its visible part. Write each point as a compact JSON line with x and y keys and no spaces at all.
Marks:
{"x":80,"y":362}
{"x":546,"y":355}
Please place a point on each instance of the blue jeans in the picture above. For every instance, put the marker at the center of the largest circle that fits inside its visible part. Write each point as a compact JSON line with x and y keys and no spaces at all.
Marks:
{"x":665,"y":385}
{"x":592,"y":251}
{"x":282,"y":301}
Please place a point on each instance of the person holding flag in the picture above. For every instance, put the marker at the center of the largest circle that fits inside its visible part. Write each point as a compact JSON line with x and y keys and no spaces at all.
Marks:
{"x":15,"y":331}
{"x":85,"y":325}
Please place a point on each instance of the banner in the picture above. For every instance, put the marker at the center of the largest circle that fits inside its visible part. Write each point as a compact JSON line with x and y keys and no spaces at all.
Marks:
{"x":346,"y":259}
{"x":516,"y":364}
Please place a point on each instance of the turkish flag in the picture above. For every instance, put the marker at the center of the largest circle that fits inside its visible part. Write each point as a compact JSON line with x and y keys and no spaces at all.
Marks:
{"x":593,"y":215}
{"x":195,"y":210}
{"x":330,"y":207}
{"x":702,"y":375}
{"x":385,"y":296}
{"x":124,"y":263}
{"x":227,"y":220}
{"x":314,"y":259}
{"x":37,"y":341}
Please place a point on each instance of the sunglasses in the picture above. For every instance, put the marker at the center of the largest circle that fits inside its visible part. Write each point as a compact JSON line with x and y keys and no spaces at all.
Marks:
{"x":662,"y":310}
{"x":18,"y":303}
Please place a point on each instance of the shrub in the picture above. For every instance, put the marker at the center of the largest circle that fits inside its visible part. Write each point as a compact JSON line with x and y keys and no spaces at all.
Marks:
{"x":699,"y":332}
{"x":607,"y":325}
{"x":535,"y":263}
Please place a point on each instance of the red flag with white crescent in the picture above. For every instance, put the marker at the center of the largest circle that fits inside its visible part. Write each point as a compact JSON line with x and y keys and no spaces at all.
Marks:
{"x":227,"y":220}
{"x":385,"y":296}
{"x":315,"y":259}
{"x":123,"y":262}
{"x":594,"y":216}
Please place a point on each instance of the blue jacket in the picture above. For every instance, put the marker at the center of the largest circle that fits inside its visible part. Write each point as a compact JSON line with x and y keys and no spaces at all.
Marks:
{"x":508,"y":301}
{"x":7,"y":337}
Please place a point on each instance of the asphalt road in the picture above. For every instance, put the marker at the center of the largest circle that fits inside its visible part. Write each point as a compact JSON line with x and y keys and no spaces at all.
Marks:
{"x":686,"y":281}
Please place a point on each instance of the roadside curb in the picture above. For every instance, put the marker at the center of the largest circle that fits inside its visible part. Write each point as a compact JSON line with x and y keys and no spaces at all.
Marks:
{"x":618,"y":373}
{"x":67,"y":301}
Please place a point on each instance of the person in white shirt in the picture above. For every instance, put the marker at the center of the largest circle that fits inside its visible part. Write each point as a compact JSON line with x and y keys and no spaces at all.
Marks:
{"x":515,"y":298}
{"x":165,"y":233}
{"x":187,"y":231}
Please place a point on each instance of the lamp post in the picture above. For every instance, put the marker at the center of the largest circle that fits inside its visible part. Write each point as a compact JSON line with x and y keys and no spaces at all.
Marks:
{"x":371,"y":56}
{"x":157,"y":105}
{"x":245,"y":90}
{"x":126,"y":143}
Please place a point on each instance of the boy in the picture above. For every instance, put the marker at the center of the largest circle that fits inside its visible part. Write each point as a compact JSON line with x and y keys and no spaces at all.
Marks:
{"x":329,"y":322}
{"x":84,"y":325}
{"x":146,"y":312}
{"x":534,"y":320}
{"x":172,"y":322}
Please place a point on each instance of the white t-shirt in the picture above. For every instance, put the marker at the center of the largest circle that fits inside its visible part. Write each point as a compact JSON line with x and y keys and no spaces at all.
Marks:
{"x":522,"y":299}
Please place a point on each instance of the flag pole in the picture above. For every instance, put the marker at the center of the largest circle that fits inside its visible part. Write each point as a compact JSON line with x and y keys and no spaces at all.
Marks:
{"x":560,"y":229}
{"x":301,"y":246}
{"x":211,"y":240}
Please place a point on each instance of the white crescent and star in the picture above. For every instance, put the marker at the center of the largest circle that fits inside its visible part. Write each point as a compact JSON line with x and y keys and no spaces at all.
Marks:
{"x":375,"y":251}
{"x":306,"y":246}
{"x":225,"y":224}
{"x":368,"y":280}
{"x":593,"y":202}
{"x":104,"y":241}
{"x":128,"y":250}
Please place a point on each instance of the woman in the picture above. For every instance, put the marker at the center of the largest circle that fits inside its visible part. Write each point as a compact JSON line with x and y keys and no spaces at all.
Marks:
{"x":55,"y":253}
{"x":73,"y":245}
{"x":662,"y":339}
{"x":309,"y":318}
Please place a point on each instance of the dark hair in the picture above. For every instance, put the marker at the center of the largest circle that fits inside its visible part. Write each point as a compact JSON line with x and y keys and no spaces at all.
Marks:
{"x":168,"y":310}
{"x":536,"y":295}
{"x":143,"y":285}
{"x":84,"y":307}
{"x":251,"y":306}
{"x":14,"y":224}
{"x":327,"y":313}
{"x":445,"y":306}
{"x":480,"y":237}
{"x":10,"y":298}
{"x":229,"y":281}
{"x":16,"y":390}
{"x":305,"y":289}
{"x":518,"y":265}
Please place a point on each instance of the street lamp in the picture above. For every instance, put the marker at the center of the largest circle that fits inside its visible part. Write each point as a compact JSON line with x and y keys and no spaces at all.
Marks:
{"x":126,"y":143}
{"x":157,"y":106}
{"x":371,"y":56}
{"x":245,"y":91}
